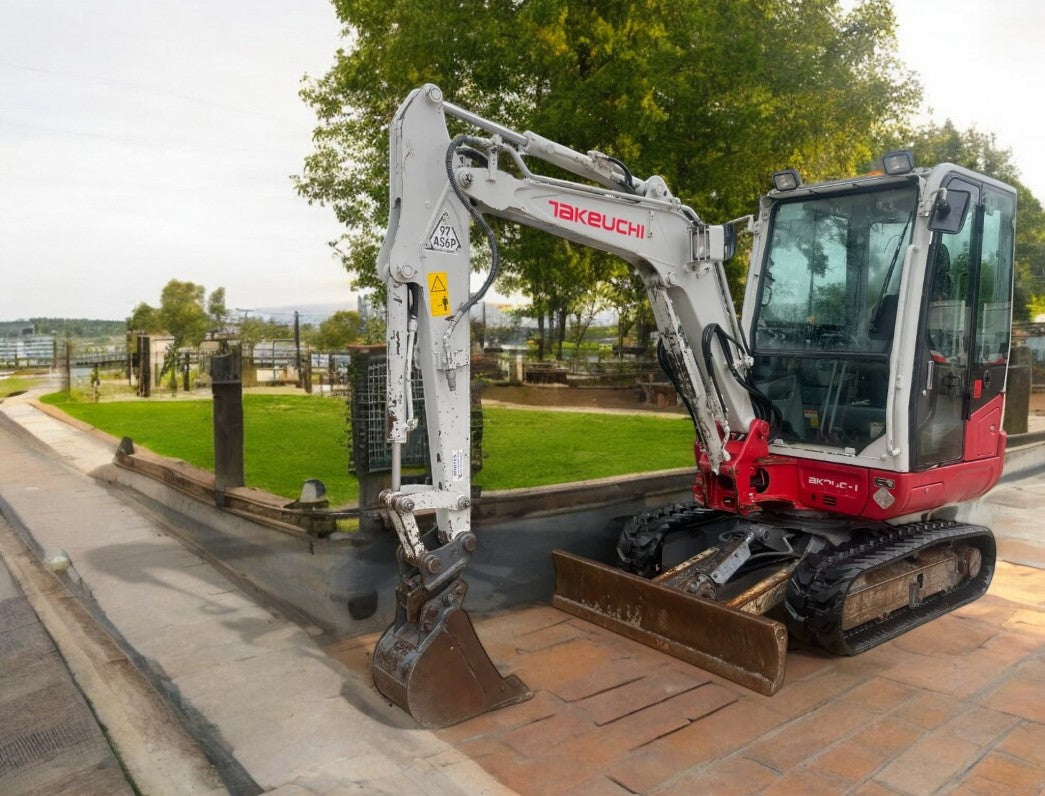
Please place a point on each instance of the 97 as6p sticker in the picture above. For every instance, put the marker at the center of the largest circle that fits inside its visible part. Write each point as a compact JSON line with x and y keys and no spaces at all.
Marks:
{"x":444,"y":237}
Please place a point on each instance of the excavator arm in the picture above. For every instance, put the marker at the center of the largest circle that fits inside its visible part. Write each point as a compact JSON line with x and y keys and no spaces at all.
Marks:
{"x":439,"y":188}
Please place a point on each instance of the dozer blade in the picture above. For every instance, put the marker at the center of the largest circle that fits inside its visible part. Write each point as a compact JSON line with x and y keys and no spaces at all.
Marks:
{"x":746,"y":648}
{"x":435,"y":668}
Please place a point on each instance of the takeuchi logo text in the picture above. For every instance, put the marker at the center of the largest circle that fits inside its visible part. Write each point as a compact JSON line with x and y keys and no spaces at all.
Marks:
{"x":593,"y":218}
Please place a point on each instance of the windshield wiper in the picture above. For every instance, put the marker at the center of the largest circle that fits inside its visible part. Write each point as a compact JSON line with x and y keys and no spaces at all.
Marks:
{"x":872,"y":325}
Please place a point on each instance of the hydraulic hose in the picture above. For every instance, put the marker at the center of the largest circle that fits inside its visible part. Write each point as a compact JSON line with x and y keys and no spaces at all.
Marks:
{"x":491,"y":237}
{"x":764,"y":408}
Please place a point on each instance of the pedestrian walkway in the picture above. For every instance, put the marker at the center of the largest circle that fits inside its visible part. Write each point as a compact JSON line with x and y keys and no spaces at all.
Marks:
{"x":269,"y":707}
{"x":953,"y":706}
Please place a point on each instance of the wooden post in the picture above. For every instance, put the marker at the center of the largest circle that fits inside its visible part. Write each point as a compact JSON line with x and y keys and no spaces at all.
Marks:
{"x":297,"y":349}
{"x":1018,"y":388}
{"x":144,"y":365}
{"x":227,"y":389}
{"x":67,"y":371}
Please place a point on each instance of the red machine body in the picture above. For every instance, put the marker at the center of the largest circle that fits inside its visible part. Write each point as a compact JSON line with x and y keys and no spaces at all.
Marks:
{"x":754,"y":479}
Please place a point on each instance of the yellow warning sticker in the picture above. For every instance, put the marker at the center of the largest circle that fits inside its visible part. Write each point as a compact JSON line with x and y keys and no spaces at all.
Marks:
{"x":438,"y":294}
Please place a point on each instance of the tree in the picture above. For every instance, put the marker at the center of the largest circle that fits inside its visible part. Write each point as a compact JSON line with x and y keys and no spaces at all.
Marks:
{"x":339,"y":331}
{"x":216,"y":309}
{"x":713,"y":96}
{"x":182,"y":313}
{"x":144,"y":318}
{"x":1030,"y":250}
{"x":627,"y":295}
{"x":254,"y":330}
{"x":936,"y":143}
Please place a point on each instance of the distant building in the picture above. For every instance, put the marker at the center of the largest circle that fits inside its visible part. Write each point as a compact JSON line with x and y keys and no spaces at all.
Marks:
{"x":36,"y":349}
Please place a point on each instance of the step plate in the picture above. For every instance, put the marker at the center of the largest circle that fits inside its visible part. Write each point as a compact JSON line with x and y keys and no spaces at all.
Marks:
{"x":748,"y":649}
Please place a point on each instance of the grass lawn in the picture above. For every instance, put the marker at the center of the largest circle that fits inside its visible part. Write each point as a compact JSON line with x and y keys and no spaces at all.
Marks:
{"x":286,"y":438}
{"x":19,"y":383}
{"x":289,"y":438}
{"x":531,"y":447}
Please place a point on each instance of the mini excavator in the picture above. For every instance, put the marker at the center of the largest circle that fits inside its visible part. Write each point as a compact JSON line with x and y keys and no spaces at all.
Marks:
{"x":843,"y":422}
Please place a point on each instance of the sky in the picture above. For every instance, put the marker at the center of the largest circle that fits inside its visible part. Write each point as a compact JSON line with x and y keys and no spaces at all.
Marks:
{"x":146,"y":141}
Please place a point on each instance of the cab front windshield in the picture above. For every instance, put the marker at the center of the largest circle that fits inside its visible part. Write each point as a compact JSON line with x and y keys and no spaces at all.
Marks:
{"x":824,"y":326}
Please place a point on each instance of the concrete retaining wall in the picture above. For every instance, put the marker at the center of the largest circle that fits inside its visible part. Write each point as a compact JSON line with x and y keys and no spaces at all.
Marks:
{"x":345,"y":584}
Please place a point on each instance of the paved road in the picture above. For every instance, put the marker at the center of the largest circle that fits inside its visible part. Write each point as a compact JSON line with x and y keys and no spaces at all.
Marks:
{"x":269,"y":709}
{"x":50,"y":741}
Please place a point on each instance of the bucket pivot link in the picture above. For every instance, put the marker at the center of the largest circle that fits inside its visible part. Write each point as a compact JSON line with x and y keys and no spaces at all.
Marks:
{"x":430,"y":662}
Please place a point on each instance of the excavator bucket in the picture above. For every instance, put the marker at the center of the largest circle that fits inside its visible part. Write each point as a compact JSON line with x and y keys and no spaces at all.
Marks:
{"x":743,"y":647}
{"x":432,"y":664}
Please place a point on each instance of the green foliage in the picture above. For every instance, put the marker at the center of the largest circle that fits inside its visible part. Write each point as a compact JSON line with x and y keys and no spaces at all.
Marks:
{"x":144,"y":318}
{"x":935,"y":143}
{"x":216,"y":309}
{"x":374,"y":329}
{"x":1037,"y":306}
{"x":182,"y":312}
{"x":713,"y":96}
{"x":1030,"y":252}
{"x":254,"y":330}
{"x":339,"y":331}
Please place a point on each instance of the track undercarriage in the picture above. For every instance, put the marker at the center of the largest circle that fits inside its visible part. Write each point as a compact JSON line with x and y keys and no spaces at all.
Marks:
{"x":718,"y":590}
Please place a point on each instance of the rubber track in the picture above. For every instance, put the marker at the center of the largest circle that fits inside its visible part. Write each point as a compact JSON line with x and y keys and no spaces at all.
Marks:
{"x":638,"y":549}
{"x":817,"y":590}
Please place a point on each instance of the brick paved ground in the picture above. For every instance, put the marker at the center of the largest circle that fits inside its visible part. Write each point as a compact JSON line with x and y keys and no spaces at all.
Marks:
{"x":958,"y":704}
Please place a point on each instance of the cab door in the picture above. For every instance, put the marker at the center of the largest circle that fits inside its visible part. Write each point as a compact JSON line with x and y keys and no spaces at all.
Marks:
{"x":964,"y":331}
{"x":992,"y":323}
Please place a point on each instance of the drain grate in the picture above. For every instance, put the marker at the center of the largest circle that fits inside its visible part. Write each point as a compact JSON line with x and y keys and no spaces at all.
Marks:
{"x":16,"y":612}
{"x":41,"y":744}
{"x":20,"y":644}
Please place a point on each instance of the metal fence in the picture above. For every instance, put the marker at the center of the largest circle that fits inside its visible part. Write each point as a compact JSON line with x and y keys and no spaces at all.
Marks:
{"x":371,"y":452}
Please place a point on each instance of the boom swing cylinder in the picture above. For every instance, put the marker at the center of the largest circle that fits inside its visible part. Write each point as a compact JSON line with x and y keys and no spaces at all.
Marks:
{"x":820,"y":449}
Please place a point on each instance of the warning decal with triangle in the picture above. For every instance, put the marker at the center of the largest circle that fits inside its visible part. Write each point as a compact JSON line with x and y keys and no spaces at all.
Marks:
{"x":439,"y":294}
{"x":444,"y":237}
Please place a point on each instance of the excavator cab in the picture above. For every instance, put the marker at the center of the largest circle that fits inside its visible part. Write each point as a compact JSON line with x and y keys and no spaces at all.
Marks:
{"x":879,"y":315}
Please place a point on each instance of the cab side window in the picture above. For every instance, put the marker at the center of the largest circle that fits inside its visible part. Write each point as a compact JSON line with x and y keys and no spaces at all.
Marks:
{"x":994,"y":298}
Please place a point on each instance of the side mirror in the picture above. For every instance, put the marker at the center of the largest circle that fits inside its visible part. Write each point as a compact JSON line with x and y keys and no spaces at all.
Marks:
{"x":949,"y":210}
{"x":730,"y":241}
